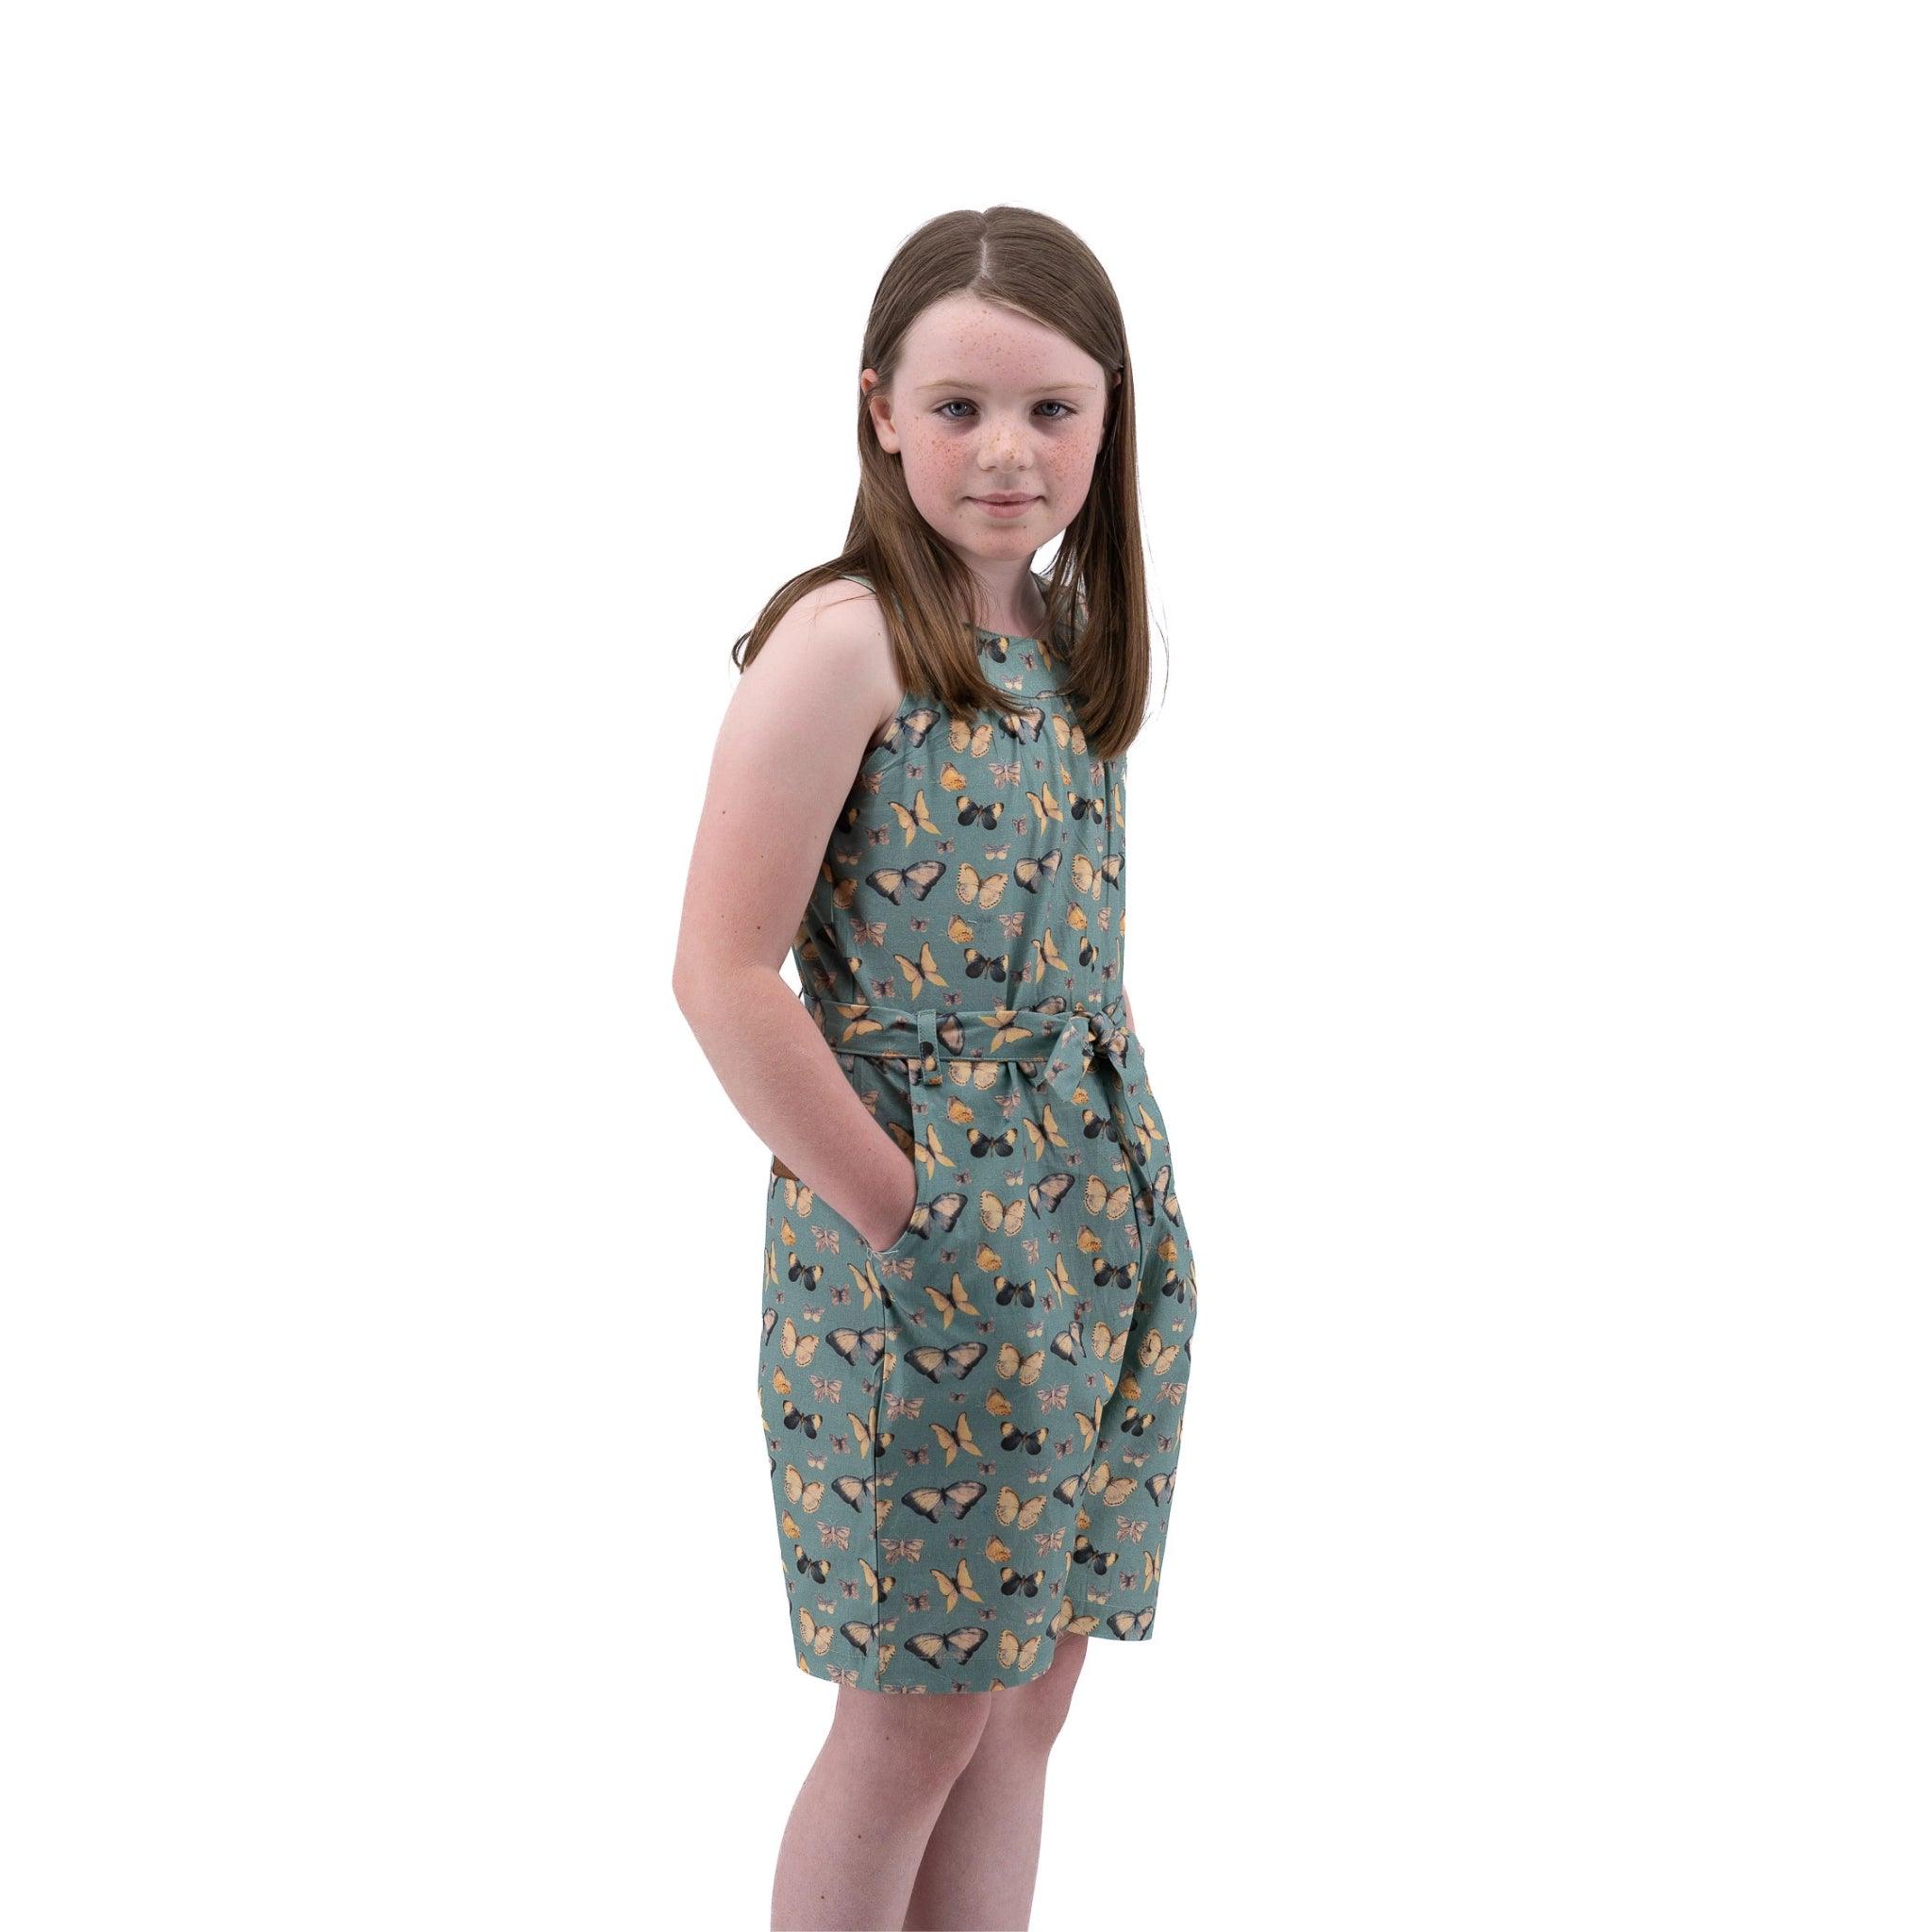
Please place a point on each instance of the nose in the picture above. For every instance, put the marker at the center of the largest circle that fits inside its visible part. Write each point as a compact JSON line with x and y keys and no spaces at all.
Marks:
{"x":1002,"y":447}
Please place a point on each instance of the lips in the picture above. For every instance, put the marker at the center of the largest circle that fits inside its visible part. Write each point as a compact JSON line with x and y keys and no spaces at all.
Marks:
{"x":1015,"y":497}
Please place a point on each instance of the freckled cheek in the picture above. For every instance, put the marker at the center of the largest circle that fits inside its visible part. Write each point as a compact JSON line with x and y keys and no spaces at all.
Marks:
{"x":939,"y":463}
{"x":1067,"y":472}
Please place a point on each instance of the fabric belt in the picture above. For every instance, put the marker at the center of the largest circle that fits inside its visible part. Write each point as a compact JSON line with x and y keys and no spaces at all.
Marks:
{"x":1064,"y":1040}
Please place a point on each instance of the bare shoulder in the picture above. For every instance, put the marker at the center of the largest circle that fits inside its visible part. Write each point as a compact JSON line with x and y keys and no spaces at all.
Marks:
{"x":835,"y":635}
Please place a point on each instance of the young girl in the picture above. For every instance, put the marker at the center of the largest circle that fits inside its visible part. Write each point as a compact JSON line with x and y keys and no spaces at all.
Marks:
{"x":978,"y":1292}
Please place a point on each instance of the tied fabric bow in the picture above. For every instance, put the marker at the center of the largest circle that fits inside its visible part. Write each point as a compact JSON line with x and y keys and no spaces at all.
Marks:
{"x":1073,"y":1050}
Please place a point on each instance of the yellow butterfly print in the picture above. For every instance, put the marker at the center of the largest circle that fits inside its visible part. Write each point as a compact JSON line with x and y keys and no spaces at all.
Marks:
{"x":984,"y":891}
{"x":1112,"y":1489}
{"x":1108,"y":1346}
{"x":1046,"y":805}
{"x":1042,"y":1133}
{"x":928,"y":1153}
{"x":881,"y":1586}
{"x":926,"y":971}
{"x":1153,"y":1356}
{"x":957,"y":1586}
{"x":1113,"y":1203}
{"x":1008,"y":1024}
{"x":858,"y":1019}
{"x":1027,"y":1367}
{"x":967,"y":737}
{"x":866,"y":1280}
{"x":957,"y":1442}
{"x":800,"y":1347}
{"x":1010,"y":1510}
{"x":951,"y":1301}
{"x":868,"y":1440}
{"x":807,"y":1495}
{"x":914,"y":821}
{"x":1065,"y":1623}
{"x":817,"y":1637}
{"x":998,"y":1216}
{"x":1013,"y":1651}
{"x":1089,"y":877}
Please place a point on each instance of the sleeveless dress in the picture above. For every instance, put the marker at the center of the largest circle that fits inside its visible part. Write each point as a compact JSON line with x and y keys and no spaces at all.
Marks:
{"x":973,"y":1434}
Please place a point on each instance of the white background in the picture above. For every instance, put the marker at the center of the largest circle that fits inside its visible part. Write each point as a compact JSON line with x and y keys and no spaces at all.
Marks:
{"x":404,"y":408}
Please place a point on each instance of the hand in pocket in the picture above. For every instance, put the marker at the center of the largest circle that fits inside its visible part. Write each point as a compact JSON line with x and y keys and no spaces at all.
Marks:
{"x":912,"y":1209}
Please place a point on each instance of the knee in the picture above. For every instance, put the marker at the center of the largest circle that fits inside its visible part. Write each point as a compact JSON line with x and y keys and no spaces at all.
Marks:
{"x":1030,"y":1717}
{"x":912,"y":1744}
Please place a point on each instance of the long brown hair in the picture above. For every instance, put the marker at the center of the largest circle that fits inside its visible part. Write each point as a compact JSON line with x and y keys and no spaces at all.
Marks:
{"x":1096,"y":591}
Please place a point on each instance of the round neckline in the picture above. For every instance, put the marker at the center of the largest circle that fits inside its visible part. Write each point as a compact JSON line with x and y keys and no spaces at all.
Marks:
{"x":1011,"y":637}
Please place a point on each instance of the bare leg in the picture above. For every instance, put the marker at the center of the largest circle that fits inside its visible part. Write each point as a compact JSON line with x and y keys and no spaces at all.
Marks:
{"x":983,"y":1853}
{"x":861,"y":1818}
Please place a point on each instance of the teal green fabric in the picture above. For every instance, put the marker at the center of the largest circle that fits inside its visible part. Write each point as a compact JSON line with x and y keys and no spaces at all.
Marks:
{"x":974,"y":1433}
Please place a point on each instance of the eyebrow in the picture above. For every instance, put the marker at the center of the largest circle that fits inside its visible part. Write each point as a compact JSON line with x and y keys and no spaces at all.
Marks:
{"x":1048,"y":388}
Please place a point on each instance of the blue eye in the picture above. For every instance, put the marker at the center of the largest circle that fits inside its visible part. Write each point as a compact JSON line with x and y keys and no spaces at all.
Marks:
{"x":961,"y":403}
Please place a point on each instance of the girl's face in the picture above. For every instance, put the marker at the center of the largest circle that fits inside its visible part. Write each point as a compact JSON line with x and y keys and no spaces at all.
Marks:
{"x":987,"y":403}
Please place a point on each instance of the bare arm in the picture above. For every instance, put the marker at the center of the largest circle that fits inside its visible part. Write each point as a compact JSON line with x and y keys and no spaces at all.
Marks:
{"x":792,"y":739}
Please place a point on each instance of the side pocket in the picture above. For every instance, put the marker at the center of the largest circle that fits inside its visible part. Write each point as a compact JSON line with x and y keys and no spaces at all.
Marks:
{"x":915,"y":1223}
{"x":904,"y":1085}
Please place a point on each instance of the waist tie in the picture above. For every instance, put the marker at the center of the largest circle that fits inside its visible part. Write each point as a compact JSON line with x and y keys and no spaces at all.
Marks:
{"x":1066,"y":1040}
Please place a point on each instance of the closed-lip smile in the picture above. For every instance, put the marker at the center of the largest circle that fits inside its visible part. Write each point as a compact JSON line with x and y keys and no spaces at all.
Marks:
{"x":1008,"y":497}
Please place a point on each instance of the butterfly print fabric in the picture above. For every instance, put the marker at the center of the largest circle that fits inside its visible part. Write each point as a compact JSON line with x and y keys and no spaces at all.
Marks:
{"x":973,"y":1434}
